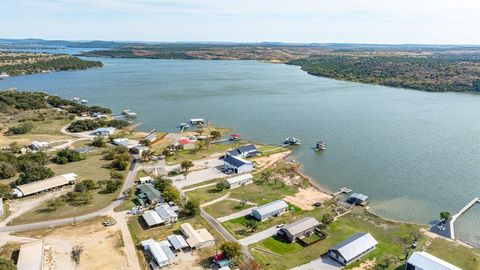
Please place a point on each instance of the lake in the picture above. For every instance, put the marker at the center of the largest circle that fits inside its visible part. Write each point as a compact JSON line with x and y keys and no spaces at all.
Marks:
{"x":414,"y":153}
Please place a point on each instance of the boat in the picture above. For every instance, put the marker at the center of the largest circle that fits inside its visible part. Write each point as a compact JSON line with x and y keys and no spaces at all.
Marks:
{"x":76,"y":99}
{"x":292,"y":141}
{"x":320,"y":146}
{"x":4,"y":76}
{"x":84,"y":101}
{"x":183,"y":125}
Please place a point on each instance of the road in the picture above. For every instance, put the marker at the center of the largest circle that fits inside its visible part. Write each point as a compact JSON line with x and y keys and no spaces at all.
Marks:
{"x":129,"y":180}
{"x":254,"y":238}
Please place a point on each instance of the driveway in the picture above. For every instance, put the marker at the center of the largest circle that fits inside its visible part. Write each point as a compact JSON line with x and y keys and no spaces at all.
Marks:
{"x":238,"y":214}
{"x":323,"y":263}
{"x":254,"y":238}
{"x":196,"y":177}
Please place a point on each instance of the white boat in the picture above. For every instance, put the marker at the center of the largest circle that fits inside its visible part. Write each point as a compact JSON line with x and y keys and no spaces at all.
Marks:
{"x":76,"y":99}
{"x":84,"y":101}
{"x":129,"y":113}
{"x":292,"y":141}
{"x":4,"y":76}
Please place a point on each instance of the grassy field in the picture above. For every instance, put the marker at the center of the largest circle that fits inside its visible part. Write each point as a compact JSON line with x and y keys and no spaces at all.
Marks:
{"x":194,"y":154}
{"x":203,"y":183}
{"x":224,"y":208}
{"x":393,"y":238}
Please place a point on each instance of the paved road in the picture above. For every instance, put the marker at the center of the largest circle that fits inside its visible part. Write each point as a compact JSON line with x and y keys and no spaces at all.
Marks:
{"x":223,"y":232}
{"x":238,"y":214}
{"x":130,"y":179}
{"x":254,"y":238}
{"x":323,"y":263}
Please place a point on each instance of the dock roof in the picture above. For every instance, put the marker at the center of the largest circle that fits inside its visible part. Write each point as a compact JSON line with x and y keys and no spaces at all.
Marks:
{"x":359,"y":196}
{"x":427,"y":261}
{"x":355,"y":245}
{"x":271,"y":207}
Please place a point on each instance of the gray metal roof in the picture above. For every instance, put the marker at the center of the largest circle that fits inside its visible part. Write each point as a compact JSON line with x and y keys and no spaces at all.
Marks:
{"x":270,"y":207}
{"x":301,"y":225}
{"x":239,"y":178}
{"x":359,"y":196}
{"x":165,"y":211}
{"x":247,"y":148}
{"x":427,"y":261}
{"x":233,"y":152}
{"x":235,"y":161}
{"x":177,"y":241}
{"x":355,"y":245}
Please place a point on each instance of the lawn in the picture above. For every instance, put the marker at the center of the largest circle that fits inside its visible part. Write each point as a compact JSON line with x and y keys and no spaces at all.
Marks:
{"x":203,"y":183}
{"x":224,"y":208}
{"x":393,"y":238}
{"x":271,"y":149}
{"x":195,"y":154}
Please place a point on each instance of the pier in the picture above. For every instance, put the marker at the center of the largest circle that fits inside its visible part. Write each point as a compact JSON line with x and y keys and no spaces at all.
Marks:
{"x":457,"y":215}
{"x":342,"y":190}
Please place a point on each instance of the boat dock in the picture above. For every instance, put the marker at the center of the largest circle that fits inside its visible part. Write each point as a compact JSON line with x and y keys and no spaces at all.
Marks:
{"x":342,"y":190}
{"x":457,"y":215}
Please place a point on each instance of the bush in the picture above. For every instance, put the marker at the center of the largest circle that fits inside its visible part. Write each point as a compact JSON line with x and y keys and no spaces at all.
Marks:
{"x":232,"y":250}
{"x":220,"y":186}
{"x":112,"y":186}
{"x":327,"y":219}
{"x":116,"y":175}
{"x":99,"y":142}
{"x":78,"y":198}
{"x":85,"y":185}
{"x":5,"y":191}
{"x":22,"y":128}
{"x":192,"y":208}
{"x":7,"y":264}
{"x":7,"y":170}
{"x":171,"y":194}
{"x":66,"y":155}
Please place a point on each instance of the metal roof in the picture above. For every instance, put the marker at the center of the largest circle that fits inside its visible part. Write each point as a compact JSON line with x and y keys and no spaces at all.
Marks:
{"x":233,"y":152}
{"x":239,"y":178}
{"x":156,"y":250}
{"x":177,"y":241}
{"x":301,"y":225}
{"x":31,"y":256}
{"x":270,"y":207}
{"x":151,"y":192}
{"x":165,"y":211}
{"x":427,"y":261}
{"x":195,"y":237}
{"x":355,"y":245}
{"x":359,"y":196}
{"x":247,"y":148}
{"x":152,"y":218}
{"x":41,"y":185}
{"x":235,"y":161}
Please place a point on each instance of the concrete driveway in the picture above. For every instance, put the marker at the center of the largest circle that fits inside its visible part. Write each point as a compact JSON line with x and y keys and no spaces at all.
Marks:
{"x":254,"y":238}
{"x":196,"y":177}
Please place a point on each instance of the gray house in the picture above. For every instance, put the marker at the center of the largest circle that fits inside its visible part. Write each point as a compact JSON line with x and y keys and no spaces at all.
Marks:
{"x":353,"y":248}
{"x":269,"y":210}
{"x":298,"y":229}
{"x":238,"y":181}
{"x":249,"y":150}
{"x":237,"y":164}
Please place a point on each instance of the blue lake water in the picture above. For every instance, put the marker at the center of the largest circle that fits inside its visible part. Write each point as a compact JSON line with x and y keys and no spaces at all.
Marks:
{"x":414,"y":153}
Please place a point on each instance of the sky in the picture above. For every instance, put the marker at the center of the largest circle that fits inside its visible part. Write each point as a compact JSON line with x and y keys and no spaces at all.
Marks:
{"x":299,"y":21}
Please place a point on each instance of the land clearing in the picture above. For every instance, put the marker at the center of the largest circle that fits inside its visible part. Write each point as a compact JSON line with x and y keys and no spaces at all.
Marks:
{"x":306,"y":197}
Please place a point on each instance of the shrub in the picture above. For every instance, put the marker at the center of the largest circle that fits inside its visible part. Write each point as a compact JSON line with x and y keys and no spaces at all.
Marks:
{"x":192,"y":208}
{"x":78,"y":198}
{"x":220,"y":186}
{"x":33,"y":172}
{"x":7,"y":170}
{"x":22,"y":128}
{"x":5,"y":191}
{"x":67,"y":155}
{"x":85,"y":185}
{"x":37,"y":157}
{"x":99,"y":142}
{"x":112,"y":186}
{"x":327,"y":219}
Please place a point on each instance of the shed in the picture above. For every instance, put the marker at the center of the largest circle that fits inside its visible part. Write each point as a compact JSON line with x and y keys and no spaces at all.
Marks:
{"x":237,"y":164}
{"x":269,"y":210}
{"x":125,"y":142}
{"x":1,"y":207}
{"x":353,"y":248}
{"x":31,"y":256}
{"x":104,"y":131}
{"x":43,"y":185}
{"x":177,"y":241}
{"x":239,"y":180}
{"x":421,"y":260}
{"x":303,"y":227}
{"x":145,"y":180}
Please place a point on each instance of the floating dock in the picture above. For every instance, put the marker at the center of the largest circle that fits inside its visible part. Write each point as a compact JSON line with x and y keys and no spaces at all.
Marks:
{"x":342,"y":190}
{"x":457,"y":215}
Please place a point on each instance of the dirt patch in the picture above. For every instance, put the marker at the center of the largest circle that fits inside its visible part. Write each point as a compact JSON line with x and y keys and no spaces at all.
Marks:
{"x":306,"y":197}
{"x":266,"y":161}
{"x":366,"y":265}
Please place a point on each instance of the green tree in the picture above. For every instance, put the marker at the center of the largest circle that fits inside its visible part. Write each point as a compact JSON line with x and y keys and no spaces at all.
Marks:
{"x":220,"y":186}
{"x":232,"y":250}
{"x":7,"y":264}
{"x":54,"y":204}
{"x":5,"y":191}
{"x":31,"y":172}
{"x":251,"y":224}
{"x":7,"y":170}
{"x":327,"y":219}
{"x":116,"y":175}
{"x":171,"y":194}
{"x":215,"y":134}
{"x":85,"y":185}
{"x":112,"y":186}
{"x":445,"y":215}
{"x":78,"y":198}
{"x":99,"y":142}
{"x":186,"y":165}
{"x":162,"y":183}
{"x":192,"y":208}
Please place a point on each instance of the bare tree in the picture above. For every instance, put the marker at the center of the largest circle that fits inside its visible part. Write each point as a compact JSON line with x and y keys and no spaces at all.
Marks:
{"x":75,"y":254}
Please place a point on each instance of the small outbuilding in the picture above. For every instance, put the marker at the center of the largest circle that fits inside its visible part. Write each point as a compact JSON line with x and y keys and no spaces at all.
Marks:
{"x":353,"y":248}
{"x":298,"y":229}
{"x":238,"y":181}
{"x":421,"y":260}
{"x":237,"y":164}
{"x":269,"y":210}
{"x":197,"y":238}
{"x":125,"y":142}
{"x":1,"y":207}
{"x":104,"y":131}
{"x":145,"y":180}
{"x":186,"y":143}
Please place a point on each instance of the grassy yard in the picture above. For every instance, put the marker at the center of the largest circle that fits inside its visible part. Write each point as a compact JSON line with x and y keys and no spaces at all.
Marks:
{"x":93,"y":167}
{"x":195,"y":154}
{"x":271,"y":149}
{"x":224,"y":208}
{"x":203,"y":183}
{"x":392,"y":238}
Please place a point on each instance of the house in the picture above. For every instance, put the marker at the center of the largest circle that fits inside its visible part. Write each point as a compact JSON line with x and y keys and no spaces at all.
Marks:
{"x":298,"y":229}
{"x":357,"y":199}
{"x":104,"y":131}
{"x":145,"y":180}
{"x":186,"y":143}
{"x":238,"y":181}
{"x":1,"y":207}
{"x":161,"y":253}
{"x":138,"y":149}
{"x":38,"y":146}
{"x":125,"y":142}
{"x":148,"y":194}
{"x":421,"y":260}
{"x":44,"y":185}
{"x":162,"y":215}
{"x":245,"y":151}
{"x":177,"y":241}
{"x":269,"y":210}
{"x":167,"y":213}
{"x":237,"y":164}
{"x":353,"y":248}
{"x":197,"y":238}
{"x":31,"y":256}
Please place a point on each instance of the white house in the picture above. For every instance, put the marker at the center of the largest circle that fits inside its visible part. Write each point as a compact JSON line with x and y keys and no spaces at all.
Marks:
{"x":353,"y":248}
{"x":237,"y":164}
{"x":421,"y":260}
{"x":238,"y":181}
{"x":145,"y":180}
{"x":161,"y":253}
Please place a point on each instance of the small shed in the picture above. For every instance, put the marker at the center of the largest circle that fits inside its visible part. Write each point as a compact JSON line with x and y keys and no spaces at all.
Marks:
{"x":238,"y":181}
{"x":186,"y":143}
{"x":145,"y":180}
{"x":353,"y":248}
{"x":104,"y":131}
{"x":1,"y":207}
{"x":269,"y":210}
